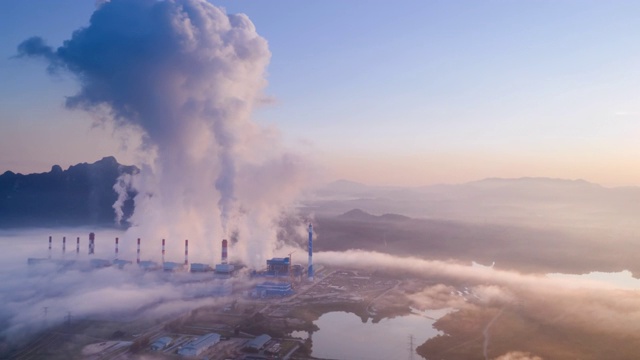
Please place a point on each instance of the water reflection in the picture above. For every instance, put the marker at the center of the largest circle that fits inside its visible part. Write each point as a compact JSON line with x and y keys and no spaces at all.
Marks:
{"x":343,"y":335}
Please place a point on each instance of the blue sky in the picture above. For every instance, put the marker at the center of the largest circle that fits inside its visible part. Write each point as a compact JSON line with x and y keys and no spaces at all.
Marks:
{"x":406,"y":92}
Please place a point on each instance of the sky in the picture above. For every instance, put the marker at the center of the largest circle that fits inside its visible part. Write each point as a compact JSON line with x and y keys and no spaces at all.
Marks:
{"x":389,"y":93}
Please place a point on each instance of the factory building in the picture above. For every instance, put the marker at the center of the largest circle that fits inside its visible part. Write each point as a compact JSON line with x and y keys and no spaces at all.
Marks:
{"x":272,"y":289}
{"x":257,"y":343}
{"x":161,"y":343}
{"x":196,"y":267}
{"x":199,"y":345}
{"x":278,"y":267}
{"x":224,"y":269}
{"x":148,"y":265}
{"x":100,"y":263}
{"x":121,"y":263}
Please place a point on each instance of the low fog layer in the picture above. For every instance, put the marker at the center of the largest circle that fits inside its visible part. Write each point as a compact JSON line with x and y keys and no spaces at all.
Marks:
{"x":130,"y":293}
{"x":574,"y":310}
{"x":87,"y":293}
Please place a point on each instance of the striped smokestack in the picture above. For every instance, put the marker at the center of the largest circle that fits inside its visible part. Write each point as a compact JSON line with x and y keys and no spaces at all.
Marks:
{"x":224,"y":251}
{"x":92,"y":244}
{"x":49,"y":247}
{"x":310,"y":270}
{"x":162,"y":252}
{"x":138,"y":253}
{"x":116,"y":248}
{"x":64,"y":245}
{"x":78,"y":246}
{"x":186,"y":252}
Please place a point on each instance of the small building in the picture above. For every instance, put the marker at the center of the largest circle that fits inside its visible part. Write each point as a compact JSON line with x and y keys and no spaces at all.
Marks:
{"x":161,"y":343}
{"x":148,"y":265}
{"x":173,"y":266}
{"x":199,"y":345}
{"x":121,"y":263}
{"x":272,"y":289}
{"x":225,"y":269}
{"x":100,"y":263}
{"x":278,"y":267}
{"x":196,"y":267}
{"x":257,"y":343}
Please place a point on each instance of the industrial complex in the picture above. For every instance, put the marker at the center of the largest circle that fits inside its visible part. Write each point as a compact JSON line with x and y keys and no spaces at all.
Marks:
{"x":253,"y":313}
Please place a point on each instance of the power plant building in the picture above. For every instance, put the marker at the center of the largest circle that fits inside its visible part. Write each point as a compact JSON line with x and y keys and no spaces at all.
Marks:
{"x":161,"y":343}
{"x":278,"y":267}
{"x":257,"y":343}
{"x":272,"y":289}
{"x":199,"y":345}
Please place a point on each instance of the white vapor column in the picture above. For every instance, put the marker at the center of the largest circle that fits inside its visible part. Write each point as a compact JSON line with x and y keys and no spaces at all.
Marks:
{"x":310,"y":270}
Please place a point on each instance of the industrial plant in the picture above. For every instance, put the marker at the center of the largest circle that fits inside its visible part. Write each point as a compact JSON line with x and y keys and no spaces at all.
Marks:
{"x":281,"y":271}
{"x":236,"y":312}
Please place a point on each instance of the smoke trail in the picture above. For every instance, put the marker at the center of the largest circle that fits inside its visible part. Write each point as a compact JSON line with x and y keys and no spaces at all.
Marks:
{"x":187,"y":75}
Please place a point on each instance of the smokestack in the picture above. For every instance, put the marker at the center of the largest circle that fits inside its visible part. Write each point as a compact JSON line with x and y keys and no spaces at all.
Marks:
{"x":92,"y":244}
{"x":186,"y":252}
{"x":64,"y":245}
{"x":49,"y":247}
{"x":78,"y":246}
{"x":116,"y":248}
{"x":138,"y":253}
{"x":163,"y":252}
{"x":224,"y":251}
{"x":310,"y":270}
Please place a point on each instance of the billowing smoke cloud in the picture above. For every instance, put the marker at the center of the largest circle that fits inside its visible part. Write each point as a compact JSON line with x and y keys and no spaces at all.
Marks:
{"x":186,"y":76}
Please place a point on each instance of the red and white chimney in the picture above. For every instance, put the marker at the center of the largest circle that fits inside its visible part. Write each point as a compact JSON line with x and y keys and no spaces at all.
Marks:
{"x":224,"y":251}
{"x":92,"y":243}
{"x":186,"y":252}
{"x":49,"y":247}
{"x":138,"y":253}
{"x":78,"y":246}
{"x":116,"y":248}
{"x":162,"y":252}
{"x":64,"y":245}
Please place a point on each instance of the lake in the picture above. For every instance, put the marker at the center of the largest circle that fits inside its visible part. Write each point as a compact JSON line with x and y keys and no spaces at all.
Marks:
{"x":343,"y":335}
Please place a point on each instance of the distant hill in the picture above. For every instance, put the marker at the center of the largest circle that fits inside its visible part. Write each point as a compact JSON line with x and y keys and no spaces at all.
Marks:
{"x":81,"y":195}
{"x":360,"y":215}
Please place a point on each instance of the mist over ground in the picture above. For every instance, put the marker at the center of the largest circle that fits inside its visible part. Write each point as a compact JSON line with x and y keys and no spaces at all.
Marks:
{"x":180,"y":79}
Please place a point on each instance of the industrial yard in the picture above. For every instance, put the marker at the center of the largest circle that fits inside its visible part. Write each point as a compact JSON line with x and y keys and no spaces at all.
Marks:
{"x":241,"y":327}
{"x":241,"y":313}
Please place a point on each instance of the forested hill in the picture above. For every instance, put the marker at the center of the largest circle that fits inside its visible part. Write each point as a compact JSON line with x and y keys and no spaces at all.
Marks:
{"x":81,"y":195}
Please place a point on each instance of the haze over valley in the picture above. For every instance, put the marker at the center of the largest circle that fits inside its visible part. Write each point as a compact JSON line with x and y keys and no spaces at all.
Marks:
{"x":185,"y":179}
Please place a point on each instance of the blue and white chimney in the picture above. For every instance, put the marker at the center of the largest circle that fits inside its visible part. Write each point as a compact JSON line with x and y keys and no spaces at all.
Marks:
{"x":310,"y":270}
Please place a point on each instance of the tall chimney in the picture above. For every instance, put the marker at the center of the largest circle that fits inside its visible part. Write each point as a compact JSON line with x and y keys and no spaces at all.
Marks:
{"x":116,"y":248}
{"x":64,"y":245}
{"x":224,"y":251}
{"x":310,"y":270}
{"x":49,"y":247}
{"x":162,"y":252}
{"x":138,"y":253}
{"x":92,"y":244}
{"x":186,"y":252}
{"x":78,"y":246}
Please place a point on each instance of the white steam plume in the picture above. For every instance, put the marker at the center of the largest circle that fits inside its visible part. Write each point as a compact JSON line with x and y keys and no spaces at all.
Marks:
{"x":188,"y":76}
